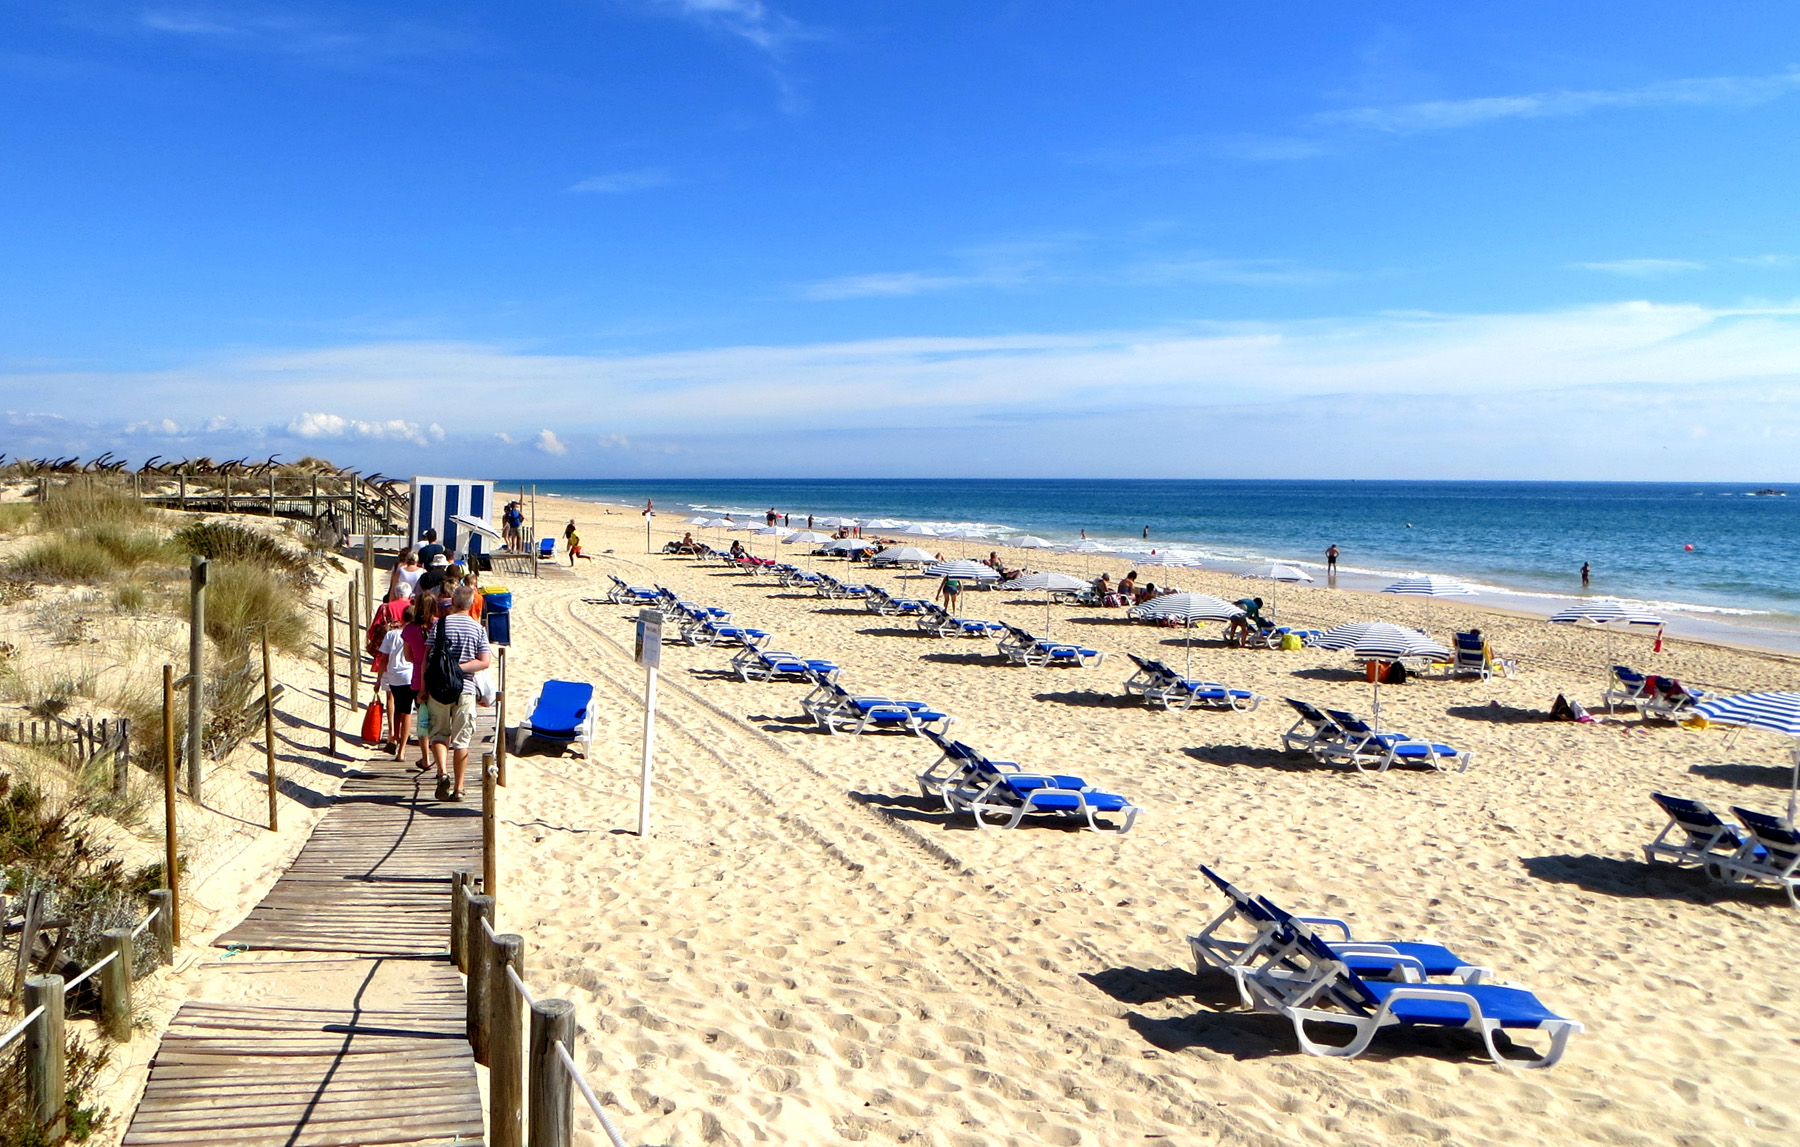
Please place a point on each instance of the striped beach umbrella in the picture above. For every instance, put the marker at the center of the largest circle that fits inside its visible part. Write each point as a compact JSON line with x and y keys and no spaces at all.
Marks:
{"x":903,"y":555}
{"x":1429,"y":585}
{"x":1188,"y":607}
{"x":1166,"y":560}
{"x":962,"y":569}
{"x":1278,"y":571}
{"x":1029,"y":542}
{"x":1606,"y":611}
{"x":1381,"y":641}
{"x":1050,"y":582}
{"x":919,"y":530}
{"x":1776,"y":712}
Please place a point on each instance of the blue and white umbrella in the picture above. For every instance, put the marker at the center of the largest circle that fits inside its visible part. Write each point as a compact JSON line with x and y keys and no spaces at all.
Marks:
{"x":1381,"y":641}
{"x":1050,"y":582}
{"x":1188,"y":607}
{"x":1776,"y":712}
{"x":962,"y":569}
{"x":1166,"y":560}
{"x":1430,"y":585}
{"x":1606,"y":611}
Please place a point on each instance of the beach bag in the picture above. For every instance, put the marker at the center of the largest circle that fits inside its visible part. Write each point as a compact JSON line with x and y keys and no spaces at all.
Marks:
{"x":372,"y":721}
{"x":1291,"y":642}
{"x":1395,"y":675}
{"x":443,"y":673}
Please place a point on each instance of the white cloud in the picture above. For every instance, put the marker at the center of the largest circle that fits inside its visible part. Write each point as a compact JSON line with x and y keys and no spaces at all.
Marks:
{"x":1443,"y":115}
{"x":505,"y":438}
{"x":1236,"y":272}
{"x":896,"y":284}
{"x":930,"y":402}
{"x":167,"y":427}
{"x":1642,"y":268}
{"x":622,"y":182}
{"x":549,"y":443}
{"x":749,"y":20}
{"x":1766,"y":260}
{"x":321,"y":425}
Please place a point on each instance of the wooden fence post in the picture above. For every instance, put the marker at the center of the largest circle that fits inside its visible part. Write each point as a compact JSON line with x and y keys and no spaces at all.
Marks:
{"x":506,"y":1047}
{"x":45,"y":1056}
{"x":353,"y":632}
{"x":197,"y":569}
{"x":315,"y":497}
{"x":163,"y":927}
{"x":269,"y":724}
{"x":500,"y":735}
{"x":552,"y":1117}
{"x":331,"y":672}
{"x":490,"y":859}
{"x":171,"y":869}
{"x":228,"y":491}
{"x":459,"y":918}
{"x":371,"y":600}
{"x":475,"y":945}
{"x":182,"y":478}
{"x":115,"y":985}
{"x":271,"y":493}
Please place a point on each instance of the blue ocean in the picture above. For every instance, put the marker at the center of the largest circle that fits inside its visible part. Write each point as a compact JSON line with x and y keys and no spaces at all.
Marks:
{"x":1519,"y":537}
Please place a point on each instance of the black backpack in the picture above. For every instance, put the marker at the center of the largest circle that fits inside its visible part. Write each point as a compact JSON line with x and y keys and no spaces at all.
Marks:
{"x":443,"y":672}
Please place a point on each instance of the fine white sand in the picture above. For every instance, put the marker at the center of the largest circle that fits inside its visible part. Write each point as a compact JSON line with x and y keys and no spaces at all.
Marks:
{"x":805,"y":951}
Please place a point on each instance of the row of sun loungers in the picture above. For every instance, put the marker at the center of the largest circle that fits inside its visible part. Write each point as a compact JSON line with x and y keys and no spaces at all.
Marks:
{"x":1760,"y":849}
{"x":1284,"y":965}
{"x":1338,"y":737}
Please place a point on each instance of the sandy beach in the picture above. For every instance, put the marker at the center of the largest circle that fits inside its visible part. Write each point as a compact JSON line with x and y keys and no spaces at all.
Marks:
{"x":804,"y":950}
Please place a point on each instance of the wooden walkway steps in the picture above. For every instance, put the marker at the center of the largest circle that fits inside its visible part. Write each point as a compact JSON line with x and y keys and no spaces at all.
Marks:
{"x":365,"y":1046}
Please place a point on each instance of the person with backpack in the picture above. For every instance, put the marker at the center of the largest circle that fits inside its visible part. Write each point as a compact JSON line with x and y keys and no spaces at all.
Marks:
{"x":455,"y":651}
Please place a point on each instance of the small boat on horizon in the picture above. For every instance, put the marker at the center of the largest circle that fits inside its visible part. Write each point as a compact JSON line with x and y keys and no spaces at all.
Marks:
{"x":1768,"y":492}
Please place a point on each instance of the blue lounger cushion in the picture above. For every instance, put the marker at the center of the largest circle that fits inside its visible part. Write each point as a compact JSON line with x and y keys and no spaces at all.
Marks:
{"x":1071,"y":802}
{"x":561,"y":708}
{"x":1513,"y":1007}
{"x":1435,"y":959}
{"x":1416,"y":749}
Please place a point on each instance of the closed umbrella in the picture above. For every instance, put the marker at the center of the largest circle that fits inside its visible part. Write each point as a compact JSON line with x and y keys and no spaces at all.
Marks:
{"x":1776,"y":712}
{"x":1189,"y":607}
{"x":1050,"y":583}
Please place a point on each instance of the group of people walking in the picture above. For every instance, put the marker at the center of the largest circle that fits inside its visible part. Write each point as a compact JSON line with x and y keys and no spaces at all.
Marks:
{"x":433,"y":660}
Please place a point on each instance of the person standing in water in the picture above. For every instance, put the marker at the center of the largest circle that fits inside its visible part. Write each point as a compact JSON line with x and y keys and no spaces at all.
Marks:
{"x":1586,"y":575}
{"x":1331,"y":556}
{"x":1146,"y":531}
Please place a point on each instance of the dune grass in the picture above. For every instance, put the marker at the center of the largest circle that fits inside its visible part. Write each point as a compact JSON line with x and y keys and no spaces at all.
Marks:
{"x":91,"y":555}
{"x":242,"y":598}
{"x":80,"y":506}
{"x":17,"y":517}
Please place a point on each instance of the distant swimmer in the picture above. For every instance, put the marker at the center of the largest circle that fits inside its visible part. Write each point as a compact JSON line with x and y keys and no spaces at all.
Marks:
{"x":1331,"y":556}
{"x":1586,"y":575}
{"x":1147,"y":534}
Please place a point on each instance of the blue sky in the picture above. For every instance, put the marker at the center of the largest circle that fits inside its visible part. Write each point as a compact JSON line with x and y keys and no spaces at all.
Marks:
{"x":674,"y":237}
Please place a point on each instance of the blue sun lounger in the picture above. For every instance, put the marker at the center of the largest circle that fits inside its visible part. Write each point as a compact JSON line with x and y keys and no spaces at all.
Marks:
{"x":1370,"y":751}
{"x":753,"y":664}
{"x":1408,"y":960}
{"x":1160,"y":685}
{"x":1306,"y":983}
{"x":1771,"y":854}
{"x":560,"y":715}
{"x":1023,"y":648}
{"x":1705,"y":835}
{"x":836,"y":710}
{"x":992,"y":791}
{"x":1312,"y":729}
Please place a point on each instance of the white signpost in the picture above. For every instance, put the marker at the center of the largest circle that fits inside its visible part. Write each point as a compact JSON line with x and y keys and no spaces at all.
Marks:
{"x":649,"y":655}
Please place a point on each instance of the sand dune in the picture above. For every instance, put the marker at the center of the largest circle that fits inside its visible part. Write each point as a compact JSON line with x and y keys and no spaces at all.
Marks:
{"x":807,"y":951}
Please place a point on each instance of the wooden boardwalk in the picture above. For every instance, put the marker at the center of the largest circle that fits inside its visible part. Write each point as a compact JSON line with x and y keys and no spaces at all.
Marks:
{"x":362,"y":1046}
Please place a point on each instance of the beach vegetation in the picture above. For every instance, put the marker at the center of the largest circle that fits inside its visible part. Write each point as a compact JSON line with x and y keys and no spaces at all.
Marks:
{"x":242,"y":599}
{"x":85,"y":506}
{"x":17,"y":517}
{"x":229,"y":542}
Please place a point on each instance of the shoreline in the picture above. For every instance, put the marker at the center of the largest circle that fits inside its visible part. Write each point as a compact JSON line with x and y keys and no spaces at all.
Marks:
{"x":1710,"y":628}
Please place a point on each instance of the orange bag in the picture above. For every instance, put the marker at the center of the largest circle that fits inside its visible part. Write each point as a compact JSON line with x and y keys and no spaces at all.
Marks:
{"x":372,"y":724}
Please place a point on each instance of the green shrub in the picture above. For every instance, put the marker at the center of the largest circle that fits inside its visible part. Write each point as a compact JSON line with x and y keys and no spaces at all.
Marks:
{"x":66,"y":557}
{"x":130,"y":548}
{"x":130,"y":598}
{"x":16,"y":517}
{"x":83,"y":506}
{"x":229,"y":542}
{"x":241,"y":598}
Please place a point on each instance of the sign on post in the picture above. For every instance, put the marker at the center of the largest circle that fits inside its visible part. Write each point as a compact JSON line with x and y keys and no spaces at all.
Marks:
{"x":649,"y":655}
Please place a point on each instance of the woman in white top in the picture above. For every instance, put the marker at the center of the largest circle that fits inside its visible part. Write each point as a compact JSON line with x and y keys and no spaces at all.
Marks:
{"x":406,"y":569}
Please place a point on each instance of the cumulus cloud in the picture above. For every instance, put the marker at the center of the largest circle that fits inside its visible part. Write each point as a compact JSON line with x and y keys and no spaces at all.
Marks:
{"x":1642,"y":268}
{"x":321,"y":425}
{"x":614,"y":442}
{"x":622,"y":182}
{"x":549,"y":443}
{"x":167,"y":427}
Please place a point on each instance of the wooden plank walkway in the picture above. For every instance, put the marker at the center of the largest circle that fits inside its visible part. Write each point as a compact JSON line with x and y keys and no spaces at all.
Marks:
{"x":366,"y":1047}
{"x":374,"y":877}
